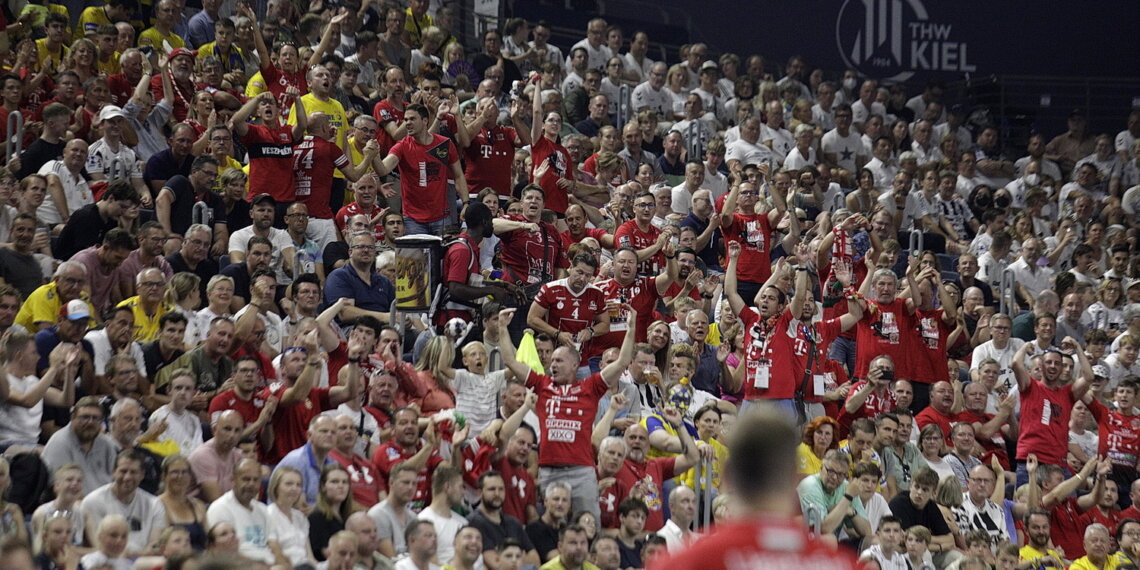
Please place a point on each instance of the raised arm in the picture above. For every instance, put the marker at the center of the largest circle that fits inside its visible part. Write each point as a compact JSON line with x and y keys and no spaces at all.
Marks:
{"x":1084,"y":381}
{"x":329,"y":38}
{"x":803,"y":279}
{"x":734,"y":299}
{"x":612,"y":372}
{"x":507,"y":348}
{"x":239,"y":122}
{"x":536,"y":113}
{"x":1019,"y":370}
{"x":258,"y":41}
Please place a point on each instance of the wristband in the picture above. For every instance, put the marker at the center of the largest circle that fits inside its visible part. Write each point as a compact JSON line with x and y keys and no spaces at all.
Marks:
{"x":670,"y":256}
{"x":313,"y":362}
{"x":703,"y":296}
{"x":849,"y":498}
{"x":354,"y":360}
{"x":801,"y":269}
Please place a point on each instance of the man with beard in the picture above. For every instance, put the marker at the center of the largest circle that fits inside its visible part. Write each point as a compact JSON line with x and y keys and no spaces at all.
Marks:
{"x":566,"y":453}
{"x":649,"y":476}
{"x":497,"y":526}
{"x":263,"y":209}
{"x":643,"y":237}
{"x":82,"y":442}
{"x":214,"y":461}
{"x":571,"y":310}
{"x":1046,"y":404}
{"x":543,"y":532}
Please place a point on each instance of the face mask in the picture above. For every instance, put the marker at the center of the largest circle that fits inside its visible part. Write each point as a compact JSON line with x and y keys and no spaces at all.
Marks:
{"x":849,"y":83}
{"x":1002,"y":202}
{"x":1032,"y":179}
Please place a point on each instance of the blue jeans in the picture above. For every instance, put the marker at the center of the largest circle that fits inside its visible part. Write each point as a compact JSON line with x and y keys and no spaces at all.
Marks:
{"x":412,"y":227}
{"x":843,"y":351}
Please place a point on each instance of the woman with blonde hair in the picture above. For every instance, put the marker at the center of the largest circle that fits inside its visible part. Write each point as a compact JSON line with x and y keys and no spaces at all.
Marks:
{"x":677,"y":86}
{"x":83,"y":59}
{"x":67,"y":485}
{"x":54,"y":545}
{"x":182,"y":510}
{"x":428,"y":384}
{"x":288,"y":524}
{"x":183,"y":292}
{"x":233,"y":185}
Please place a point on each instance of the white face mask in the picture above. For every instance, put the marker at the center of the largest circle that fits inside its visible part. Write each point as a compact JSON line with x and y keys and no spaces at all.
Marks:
{"x":849,"y":83}
{"x":1032,"y":179}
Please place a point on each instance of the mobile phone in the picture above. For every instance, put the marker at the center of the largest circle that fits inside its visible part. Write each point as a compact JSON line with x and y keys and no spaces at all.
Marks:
{"x":887,"y":375}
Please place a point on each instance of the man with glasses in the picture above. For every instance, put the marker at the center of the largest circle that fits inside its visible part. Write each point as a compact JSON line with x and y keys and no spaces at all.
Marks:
{"x":41,"y":309}
{"x":256,"y":412}
{"x":643,"y":237}
{"x":174,"y":206}
{"x":193,"y":256}
{"x":594,"y":44}
{"x":151,"y":241}
{"x":147,"y":305}
{"x":652,"y":94}
{"x":359,"y":280}
{"x":82,"y":442}
{"x":826,"y":494}
{"x":842,"y":146}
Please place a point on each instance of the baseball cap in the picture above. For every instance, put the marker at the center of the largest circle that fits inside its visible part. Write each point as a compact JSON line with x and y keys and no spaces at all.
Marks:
{"x":182,"y":51}
{"x":1100,"y":371}
{"x":110,"y":112}
{"x":1077,"y":114}
{"x":75,"y":310}
{"x":263,"y":198}
{"x":1131,"y":283}
{"x":710,"y":65}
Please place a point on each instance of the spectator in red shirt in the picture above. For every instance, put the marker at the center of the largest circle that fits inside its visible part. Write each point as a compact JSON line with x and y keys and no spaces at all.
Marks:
{"x":566,"y":410}
{"x":1047,"y":403}
{"x":755,"y":233}
{"x":424,"y":159}
{"x":365,"y":481}
{"x":270,"y":145}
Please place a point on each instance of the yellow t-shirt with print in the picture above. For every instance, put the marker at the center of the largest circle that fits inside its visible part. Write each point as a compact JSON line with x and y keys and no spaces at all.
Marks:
{"x":154,"y":38}
{"x":111,"y":66}
{"x":146,"y":326}
{"x":806,"y":461}
{"x":90,"y":19}
{"x":43,"y":305}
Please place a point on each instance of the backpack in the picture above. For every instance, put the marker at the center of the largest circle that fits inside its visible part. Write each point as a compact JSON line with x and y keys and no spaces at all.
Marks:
{"x":31,"y":481}
{"x":442,"y":300}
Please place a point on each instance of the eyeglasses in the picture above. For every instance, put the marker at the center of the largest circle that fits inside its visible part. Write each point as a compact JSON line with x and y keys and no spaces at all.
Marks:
{"x":73,"y":281}
{"x":834,"y":472}
{"x":645,"y":205}
{"x":90,"y":419}
{"x":198,"y":243}
{"x":150,"y":284}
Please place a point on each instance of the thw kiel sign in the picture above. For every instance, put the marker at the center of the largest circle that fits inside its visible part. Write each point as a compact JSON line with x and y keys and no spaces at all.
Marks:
{"x":892,"y":39}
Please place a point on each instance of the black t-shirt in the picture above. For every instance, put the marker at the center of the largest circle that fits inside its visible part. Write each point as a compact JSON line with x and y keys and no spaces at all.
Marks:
{"x":163,"y":166}
{"x":38,"y":154}
{"x":544,"y":537}
{"x":238,"y":217}
{"x":240,"y":274}
{"x":20,"y":271}
{"x":152,"y":356}
{"x":909,"y":515}
{"x":206,"y":269}
{"x":494,"y":533}
{"x":631,"y":556}
{"x":84,"y":229}
{"x":335,"y":251}
{"x":182,"y":209}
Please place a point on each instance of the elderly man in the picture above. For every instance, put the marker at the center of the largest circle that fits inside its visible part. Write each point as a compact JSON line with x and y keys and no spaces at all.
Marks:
{"x":1098,"y":550}
{"x":826,"y":493}
{"x":979,"y":512}
{"x":148,"y":306}
{"x":67,"y":187}
{"x":194,"y":256}
{"x":682,"y":511}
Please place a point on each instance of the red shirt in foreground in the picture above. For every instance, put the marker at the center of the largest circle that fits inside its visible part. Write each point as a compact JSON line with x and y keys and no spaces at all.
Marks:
{"x":757,"y":543}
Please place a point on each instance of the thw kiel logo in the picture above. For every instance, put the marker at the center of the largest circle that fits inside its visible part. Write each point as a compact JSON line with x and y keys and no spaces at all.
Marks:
{"x":892,"y":39}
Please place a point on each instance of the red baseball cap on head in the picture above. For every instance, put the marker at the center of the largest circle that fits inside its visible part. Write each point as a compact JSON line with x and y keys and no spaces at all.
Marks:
{"x":183,"y":51}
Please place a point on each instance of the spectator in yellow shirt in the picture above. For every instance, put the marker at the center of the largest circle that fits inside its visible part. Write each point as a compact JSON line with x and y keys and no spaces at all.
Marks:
{"x":111,"y":12}
{"x":162,"y":33}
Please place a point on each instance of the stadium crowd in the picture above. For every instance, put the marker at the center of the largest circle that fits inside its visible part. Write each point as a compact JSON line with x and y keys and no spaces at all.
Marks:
{"x":669,"y":294}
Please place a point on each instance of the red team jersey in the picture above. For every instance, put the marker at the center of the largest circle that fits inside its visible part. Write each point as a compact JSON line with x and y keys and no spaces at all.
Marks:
{"x":1119,"y":437}
{"x":568,"y":311}
{"x":642,"y":295}
{"x":532,"y":257}
{"x":270,"y":161}
{"x":884,"y":330}
{"x":771,"y":355}
{"x":566,"y":413}
{"x":561,"y":166}
{"x":314,"y":160}
{"x":1045,"y":423}
{"x":929,"y":347}
{"x":521,"y":490}
{"x":754,"y":234}
{"x":764,"y":543}
{"x":384,"y":113}
{"x":423,"y":176}
{"x":823,"y":332}
{"x":228,"y":400}
{"x":629,"y":235}
{"x":291,"y":423}
{"x":277,"y":81}
{"x":489,"y":159}
{"x":388,"y":455}
{"x":460,"y":265}
{"x":655,"y":472}
{"x":353,"y":209}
